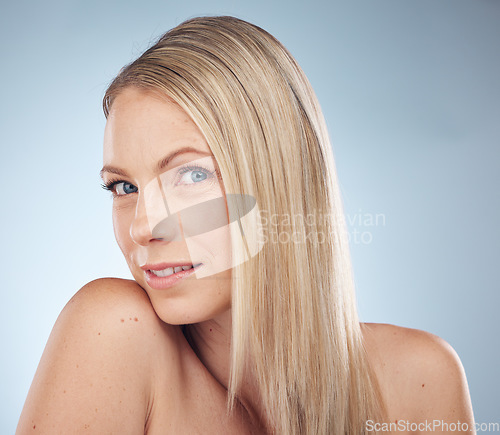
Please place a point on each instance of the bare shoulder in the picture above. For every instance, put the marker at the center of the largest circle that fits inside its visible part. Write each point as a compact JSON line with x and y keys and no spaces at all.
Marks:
{"x":96,"y":372}
{"x":121,"y":308}
{"x":110,"y":299}
{"x":421,"y":375}
{"x":124,"y":308}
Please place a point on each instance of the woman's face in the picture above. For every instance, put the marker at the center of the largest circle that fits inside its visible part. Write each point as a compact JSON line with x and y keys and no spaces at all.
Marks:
{"x":169,"y":208}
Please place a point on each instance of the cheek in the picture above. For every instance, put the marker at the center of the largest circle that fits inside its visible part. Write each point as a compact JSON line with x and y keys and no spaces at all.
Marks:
{"x":121,"y":228}
{"x":198,"y":300}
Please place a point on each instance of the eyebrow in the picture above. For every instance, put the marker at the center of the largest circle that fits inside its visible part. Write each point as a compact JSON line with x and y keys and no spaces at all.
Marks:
{"x":160,"y":165}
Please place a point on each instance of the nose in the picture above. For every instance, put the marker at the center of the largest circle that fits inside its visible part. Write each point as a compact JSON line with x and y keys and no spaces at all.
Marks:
{"x":140,"y":231}
{"x":147,"y":220}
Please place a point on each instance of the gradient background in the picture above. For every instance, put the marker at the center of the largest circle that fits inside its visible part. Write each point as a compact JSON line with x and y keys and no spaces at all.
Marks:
{"x":410,"y":90}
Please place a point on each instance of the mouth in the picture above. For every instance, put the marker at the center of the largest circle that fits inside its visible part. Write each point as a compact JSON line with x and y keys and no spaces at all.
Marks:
{"x":164,"y":276}
{"x":168,"y":271}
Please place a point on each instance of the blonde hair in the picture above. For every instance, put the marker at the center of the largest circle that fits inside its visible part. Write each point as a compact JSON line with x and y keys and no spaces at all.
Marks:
{"x":293,"y":307}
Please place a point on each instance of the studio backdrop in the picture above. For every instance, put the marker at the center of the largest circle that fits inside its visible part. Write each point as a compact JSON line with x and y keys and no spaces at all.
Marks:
{"x":410,"y":93}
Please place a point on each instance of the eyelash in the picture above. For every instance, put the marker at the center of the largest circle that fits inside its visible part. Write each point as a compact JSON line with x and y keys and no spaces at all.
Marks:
{"x":110,"y":185}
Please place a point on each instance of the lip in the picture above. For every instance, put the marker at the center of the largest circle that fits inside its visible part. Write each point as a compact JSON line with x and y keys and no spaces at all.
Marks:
{"x":165,"y":282}
{"x":161,"y":266}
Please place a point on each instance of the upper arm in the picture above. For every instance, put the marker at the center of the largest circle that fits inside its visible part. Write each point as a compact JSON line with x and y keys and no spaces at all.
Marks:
{"x":96,"y":371}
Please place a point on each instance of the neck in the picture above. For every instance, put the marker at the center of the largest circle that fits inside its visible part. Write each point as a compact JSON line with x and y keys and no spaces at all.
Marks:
{"x":211,"y":342}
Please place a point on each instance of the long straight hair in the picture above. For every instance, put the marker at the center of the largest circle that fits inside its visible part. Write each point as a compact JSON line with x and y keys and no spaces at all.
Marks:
{"x":294,"y":313}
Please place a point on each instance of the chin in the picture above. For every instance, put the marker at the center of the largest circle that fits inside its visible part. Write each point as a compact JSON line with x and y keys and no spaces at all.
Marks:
{"x":191,"y":301}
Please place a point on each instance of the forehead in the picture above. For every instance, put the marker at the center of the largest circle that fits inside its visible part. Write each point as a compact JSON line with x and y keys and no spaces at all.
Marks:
{"x":142,"y":122}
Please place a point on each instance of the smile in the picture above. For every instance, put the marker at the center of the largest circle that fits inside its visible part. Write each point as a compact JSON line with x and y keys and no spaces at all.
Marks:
{"x":162,"y":279}
{"x":171,"y":270}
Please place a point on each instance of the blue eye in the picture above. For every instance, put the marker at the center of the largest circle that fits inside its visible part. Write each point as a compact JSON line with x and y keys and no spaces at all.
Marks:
{"x":197,"y":176}
{"x":192,"y":175}
{"x":120,"y":188}
{"x":124,"y":188}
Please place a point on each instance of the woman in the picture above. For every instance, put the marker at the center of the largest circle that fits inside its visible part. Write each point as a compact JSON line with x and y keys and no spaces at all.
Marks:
{"x":241,"y":316}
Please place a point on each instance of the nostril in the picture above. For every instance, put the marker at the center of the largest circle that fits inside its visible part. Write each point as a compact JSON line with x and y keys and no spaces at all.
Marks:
{"x":168,"y":229}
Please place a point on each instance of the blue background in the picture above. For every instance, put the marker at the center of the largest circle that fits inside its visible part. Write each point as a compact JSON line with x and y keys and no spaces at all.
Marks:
{"x":410,"y":90}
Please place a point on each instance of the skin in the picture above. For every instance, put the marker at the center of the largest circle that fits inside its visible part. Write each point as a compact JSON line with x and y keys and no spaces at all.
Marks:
{"x":161,"y":127}
{"x":141,"y":130}
{"x":117,"y":361}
